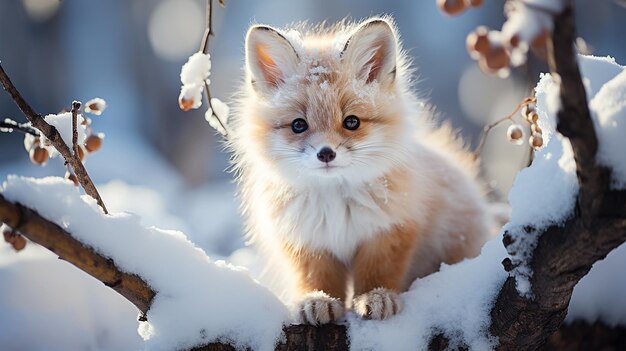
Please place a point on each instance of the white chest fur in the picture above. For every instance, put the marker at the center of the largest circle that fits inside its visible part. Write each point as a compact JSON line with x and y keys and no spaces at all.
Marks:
{"x":336,"y":217}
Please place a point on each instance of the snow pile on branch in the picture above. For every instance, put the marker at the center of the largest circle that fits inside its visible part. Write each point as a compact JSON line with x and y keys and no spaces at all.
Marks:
{"x":197,"y":301}
{"x":194,"y":74}
{"x":219,"y":109}
{"x":456,"y":301}
{"x":63,"y":124}
{"x":544,"y":194}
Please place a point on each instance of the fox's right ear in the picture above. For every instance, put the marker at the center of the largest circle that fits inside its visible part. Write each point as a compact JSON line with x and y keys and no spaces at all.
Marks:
{"x":270,"y":58}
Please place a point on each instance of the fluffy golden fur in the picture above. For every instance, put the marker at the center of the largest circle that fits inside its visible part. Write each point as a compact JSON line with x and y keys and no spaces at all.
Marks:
{"x":398,"y":198}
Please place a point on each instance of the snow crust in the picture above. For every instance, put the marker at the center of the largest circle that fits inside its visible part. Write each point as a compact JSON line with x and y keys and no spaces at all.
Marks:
{"x":198,"y":300}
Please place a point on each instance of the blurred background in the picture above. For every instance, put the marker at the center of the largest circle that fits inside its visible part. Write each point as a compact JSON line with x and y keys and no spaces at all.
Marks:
{"x":167,"y":165}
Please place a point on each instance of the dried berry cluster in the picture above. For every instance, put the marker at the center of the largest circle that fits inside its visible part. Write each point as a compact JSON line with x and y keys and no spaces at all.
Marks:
{"x":40,"y":149}
{"x":515,"y":132}
{"x":528,"y":27}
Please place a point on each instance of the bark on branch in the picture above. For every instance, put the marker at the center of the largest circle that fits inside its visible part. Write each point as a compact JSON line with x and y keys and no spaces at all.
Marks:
{"x":136,"y":290}
{"x":564,"y":254}
{"x":49,"y":235}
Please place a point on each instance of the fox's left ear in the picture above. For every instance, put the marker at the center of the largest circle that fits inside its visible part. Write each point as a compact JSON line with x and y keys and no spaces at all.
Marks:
{"x":371,"y":51}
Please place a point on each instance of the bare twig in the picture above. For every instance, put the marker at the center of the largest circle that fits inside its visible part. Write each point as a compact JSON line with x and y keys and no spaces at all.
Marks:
{"x":494,"y":124}
{"x":204,"y":48}
{"x":52,"y":134}
{"x":9,"y":125}
{"x":75,"y":108}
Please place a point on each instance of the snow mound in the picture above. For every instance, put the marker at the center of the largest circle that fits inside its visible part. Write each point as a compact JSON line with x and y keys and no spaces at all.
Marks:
{"x":197,"y":301}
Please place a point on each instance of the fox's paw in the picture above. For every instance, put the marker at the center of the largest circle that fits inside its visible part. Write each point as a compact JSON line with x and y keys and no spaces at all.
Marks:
{"x":317,"y":307}
{"x":379,"y":303}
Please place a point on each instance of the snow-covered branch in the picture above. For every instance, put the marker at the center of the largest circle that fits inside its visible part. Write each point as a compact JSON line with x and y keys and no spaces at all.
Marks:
{"x":49,"y":235}
{"x":564,"y":252}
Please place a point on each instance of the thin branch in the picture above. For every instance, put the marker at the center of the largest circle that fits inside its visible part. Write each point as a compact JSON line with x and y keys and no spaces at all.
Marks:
{"x":75,"y":108}
{"x":494,"y":124}
{"x":204,"y":48}
{"x":9,"y":125}
{"x":52,"y":134}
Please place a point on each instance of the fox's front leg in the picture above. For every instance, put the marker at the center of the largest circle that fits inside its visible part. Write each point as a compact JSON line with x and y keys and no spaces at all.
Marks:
{"x":321,"y":284}
{"x":380,"y":266}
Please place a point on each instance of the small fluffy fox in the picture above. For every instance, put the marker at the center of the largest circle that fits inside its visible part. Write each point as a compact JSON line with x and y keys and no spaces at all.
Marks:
{"x":343,"y":178}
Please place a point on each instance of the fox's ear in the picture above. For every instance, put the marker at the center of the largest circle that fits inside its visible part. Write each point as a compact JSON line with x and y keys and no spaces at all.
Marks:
{"x":371,"y":51}
{"x":270,"y":58}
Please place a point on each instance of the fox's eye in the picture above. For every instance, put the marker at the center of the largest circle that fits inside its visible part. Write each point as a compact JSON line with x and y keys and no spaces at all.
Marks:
{"x":351,"y":123}
{"x":299,"y":125}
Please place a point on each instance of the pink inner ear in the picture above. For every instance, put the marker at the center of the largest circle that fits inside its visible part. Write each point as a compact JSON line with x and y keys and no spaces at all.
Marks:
{"x":267,"y":65}
{"x":375,"y":63}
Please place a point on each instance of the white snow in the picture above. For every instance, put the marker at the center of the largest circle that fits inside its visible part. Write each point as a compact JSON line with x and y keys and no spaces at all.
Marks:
{"x":544,"y":194}
{"x":194,"y":75}
{"x":609,"y":109}
{"x":63,"y":123}
{"x":198,"y":300}
{"x":221,"y":110}
{"x":196,"y":70}
{"x":455,"y":301}
{"x":48,"y":304}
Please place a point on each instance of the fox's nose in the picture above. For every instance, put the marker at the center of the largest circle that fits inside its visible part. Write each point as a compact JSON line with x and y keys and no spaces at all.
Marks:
{"x":326,"y":154}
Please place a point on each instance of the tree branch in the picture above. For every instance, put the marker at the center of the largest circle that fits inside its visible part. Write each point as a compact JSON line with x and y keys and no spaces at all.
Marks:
{"x":565,"y":253}
{"x":49,"y":235}
{"x":9,"y":125}
{"x":136,"y":290}
{"x":53,"y":135}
